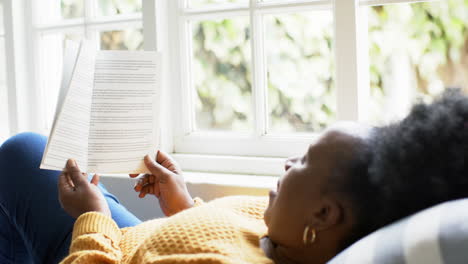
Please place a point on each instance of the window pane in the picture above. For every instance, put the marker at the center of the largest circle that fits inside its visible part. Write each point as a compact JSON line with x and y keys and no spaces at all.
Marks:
{"x":416,"y":51}
{"x":128,"y":39}
{"x":72,"y":8}
{"x":222,"y":74}
{"x":118,"y":7}
{"x":201,"y":3}
{"x":300,"y":64}
{"x":4,"y":120}
{"x":51,"y":48}
{"x":50,"y":11}
{"x":2,"y":27}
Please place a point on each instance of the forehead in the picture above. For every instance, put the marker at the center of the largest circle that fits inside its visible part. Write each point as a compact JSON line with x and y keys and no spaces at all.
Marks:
{"x":341,"y":138}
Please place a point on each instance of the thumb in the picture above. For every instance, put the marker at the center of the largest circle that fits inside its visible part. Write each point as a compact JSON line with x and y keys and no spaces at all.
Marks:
{"x":75,"y":174}
{"x":161,"y":173}
{"x":63,"y":182}
{"x":95,"y":179}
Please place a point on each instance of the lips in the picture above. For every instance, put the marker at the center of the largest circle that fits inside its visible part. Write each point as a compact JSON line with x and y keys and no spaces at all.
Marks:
{"x":273,"y":194}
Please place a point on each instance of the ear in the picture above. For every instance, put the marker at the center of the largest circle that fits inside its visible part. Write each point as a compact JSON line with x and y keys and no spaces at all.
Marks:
{"x":330,"y":213}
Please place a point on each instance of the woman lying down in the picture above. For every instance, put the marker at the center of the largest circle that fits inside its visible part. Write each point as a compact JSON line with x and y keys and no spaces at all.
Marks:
{"x":350,"y":182}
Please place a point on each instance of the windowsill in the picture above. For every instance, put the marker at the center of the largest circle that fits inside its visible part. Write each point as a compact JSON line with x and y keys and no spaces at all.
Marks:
{"x":231,"y":165}
{"x":234,"y":180}
{"x":223,"y":179}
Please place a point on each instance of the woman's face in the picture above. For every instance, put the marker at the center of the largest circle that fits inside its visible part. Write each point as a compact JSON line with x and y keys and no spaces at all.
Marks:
{"x":302,"y":199}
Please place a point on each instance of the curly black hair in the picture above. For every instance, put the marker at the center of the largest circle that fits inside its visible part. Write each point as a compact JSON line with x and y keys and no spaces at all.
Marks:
{"x":412,"y":164}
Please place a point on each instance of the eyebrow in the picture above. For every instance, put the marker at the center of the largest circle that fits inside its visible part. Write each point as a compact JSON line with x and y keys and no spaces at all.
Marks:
{"x":306,"y":155}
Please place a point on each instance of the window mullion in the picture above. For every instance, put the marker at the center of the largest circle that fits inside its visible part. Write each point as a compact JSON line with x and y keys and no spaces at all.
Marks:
{"x":25,"y":110}
{"x":184,"y":100}
{"x":90,"y":7}
{"x":363,"y":65}
{"x":258,"y":70}
{"x":150,"y":24}
{"x":348,"y":69}
{"x":10,"y":70}
{"x":179,"y":112}
{"x":155,"y":15}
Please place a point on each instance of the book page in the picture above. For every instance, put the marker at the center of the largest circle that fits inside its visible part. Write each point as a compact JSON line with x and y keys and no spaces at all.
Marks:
{"x":123,"y":125}
{"x":70,"y":131}
{"x":70,"y":57}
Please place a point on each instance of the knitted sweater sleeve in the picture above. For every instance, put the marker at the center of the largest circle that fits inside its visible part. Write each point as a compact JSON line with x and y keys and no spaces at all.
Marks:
{"x":95,"y":239}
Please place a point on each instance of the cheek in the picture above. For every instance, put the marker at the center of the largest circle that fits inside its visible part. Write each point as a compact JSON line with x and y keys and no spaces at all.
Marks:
{"x":275,"y":218}
{"x":284,"y":223}
{"x":267,"y":215}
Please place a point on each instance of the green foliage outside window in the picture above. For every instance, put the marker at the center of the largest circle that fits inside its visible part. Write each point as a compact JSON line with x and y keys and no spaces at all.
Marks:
{"x":433,"y":35}
{"x":434,"y":38}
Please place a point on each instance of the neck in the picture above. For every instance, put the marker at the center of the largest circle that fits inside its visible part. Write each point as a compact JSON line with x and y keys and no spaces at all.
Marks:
{"x":286,"y":257}
{"x":283,"y":255}
{"x":275,"y":252}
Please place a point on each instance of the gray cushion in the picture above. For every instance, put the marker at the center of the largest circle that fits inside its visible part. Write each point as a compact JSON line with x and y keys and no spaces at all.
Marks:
{"x":438,"y":235}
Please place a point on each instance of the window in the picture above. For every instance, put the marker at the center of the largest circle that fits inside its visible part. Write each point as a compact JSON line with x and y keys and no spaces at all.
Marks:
{"x":4,"y":117}
{"x":110,"y":24}
{"x":259,"y":79}
{"x":250,"y":82}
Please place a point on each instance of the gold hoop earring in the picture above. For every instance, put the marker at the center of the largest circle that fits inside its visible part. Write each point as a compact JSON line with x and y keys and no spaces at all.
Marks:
{"x":306,"y":234}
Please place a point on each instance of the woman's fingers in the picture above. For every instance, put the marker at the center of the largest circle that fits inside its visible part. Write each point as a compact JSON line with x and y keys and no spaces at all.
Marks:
{"x":146,"y":179}
{"x":141,"y":182}
{"x":64,"y":182}
{"x":70,"y":183}
{"x":147,"y":185}
{"x":75,"y":174}
{"x":144,"y":191}
{"x":164,"y":159}
{"x":156,"y":191}
{"x":95,"y":179}
{"x":157,"y":169}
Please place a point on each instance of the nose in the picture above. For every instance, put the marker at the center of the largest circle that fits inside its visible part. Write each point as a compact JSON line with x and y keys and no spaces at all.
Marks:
{"x":289,"y":162}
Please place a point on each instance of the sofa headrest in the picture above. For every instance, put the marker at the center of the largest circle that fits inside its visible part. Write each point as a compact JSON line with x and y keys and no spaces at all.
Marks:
{"x":438,"y":235}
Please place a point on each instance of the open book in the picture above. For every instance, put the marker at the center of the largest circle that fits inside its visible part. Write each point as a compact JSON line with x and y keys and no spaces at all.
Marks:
{"x":106,"y":116}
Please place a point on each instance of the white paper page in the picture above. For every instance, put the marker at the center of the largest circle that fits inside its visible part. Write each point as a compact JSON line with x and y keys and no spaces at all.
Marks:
{"x":69,"y":135}
{"x":123,"y":125}
{"x":70,"y":57}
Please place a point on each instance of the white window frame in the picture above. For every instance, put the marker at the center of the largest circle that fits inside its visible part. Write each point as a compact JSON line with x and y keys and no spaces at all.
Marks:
{"x":6,"y":127}
{"x":258,"y":143}
{"x":259,"y":152}
{"x":21,"y":105}
{"x":262,"y":153}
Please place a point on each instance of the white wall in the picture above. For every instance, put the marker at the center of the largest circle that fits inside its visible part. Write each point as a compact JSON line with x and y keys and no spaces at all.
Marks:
{"x":148,"y":207}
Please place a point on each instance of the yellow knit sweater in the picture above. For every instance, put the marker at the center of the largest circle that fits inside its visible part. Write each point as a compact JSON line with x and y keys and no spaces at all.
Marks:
{"x":226,"y":230}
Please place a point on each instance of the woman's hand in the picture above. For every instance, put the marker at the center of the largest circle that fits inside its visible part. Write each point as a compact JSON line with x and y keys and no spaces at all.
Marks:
{"x":78,"y":196}
{"x":166,"y":183}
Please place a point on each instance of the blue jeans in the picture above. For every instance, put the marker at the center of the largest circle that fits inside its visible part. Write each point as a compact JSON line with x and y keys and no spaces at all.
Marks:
{"x":33,"y":226}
